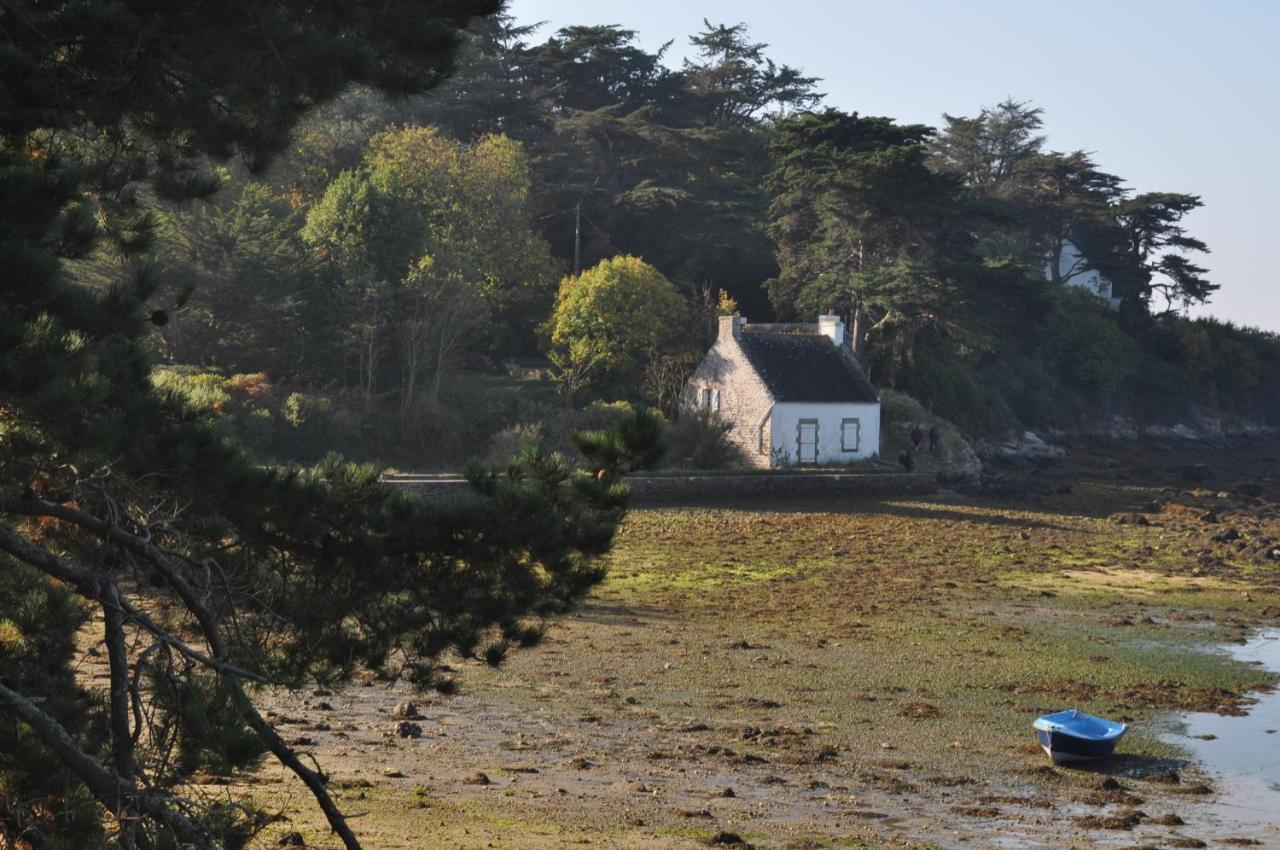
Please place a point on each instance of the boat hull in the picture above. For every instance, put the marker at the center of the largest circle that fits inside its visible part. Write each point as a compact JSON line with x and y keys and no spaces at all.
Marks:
{"x":1065,"y":747}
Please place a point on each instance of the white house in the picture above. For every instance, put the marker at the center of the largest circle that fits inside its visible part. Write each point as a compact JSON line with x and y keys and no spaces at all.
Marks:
{"x":1074,"y":270}
{"x":794,"y":394}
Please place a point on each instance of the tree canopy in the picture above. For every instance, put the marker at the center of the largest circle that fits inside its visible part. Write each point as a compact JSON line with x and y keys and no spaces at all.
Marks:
{"x":217,"y":571}
{"x":613,"y":318}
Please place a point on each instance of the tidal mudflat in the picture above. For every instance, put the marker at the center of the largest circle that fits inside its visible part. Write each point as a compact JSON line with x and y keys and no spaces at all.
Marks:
{"x":843,"y":675}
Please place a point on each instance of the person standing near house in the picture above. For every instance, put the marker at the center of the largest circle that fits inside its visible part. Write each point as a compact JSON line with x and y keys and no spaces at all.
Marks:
{"x":917,"y":437}
{"x":935,"y":440}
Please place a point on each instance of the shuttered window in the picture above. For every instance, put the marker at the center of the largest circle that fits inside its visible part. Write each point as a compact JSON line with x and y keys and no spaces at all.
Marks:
{"x":850,"y":435}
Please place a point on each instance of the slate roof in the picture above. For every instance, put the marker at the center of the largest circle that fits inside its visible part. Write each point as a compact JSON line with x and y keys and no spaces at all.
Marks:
{"x":798,"y":366}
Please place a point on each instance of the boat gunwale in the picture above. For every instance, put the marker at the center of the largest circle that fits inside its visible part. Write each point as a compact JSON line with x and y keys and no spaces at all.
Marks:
{"x":1113,"y":730}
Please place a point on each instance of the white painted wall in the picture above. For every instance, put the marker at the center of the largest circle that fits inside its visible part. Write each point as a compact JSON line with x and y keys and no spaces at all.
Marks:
{"x":1072,"y":266}
{"x":786,"y":420}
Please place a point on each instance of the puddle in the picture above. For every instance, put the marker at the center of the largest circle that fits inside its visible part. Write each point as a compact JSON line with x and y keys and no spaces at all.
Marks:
{"x":1244,"y":752}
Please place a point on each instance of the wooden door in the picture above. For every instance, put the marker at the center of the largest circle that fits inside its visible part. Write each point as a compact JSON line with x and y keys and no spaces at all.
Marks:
{"x":807,"y":441}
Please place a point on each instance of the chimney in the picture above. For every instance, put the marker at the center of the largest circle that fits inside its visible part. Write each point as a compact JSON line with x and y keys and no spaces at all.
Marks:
{"x":731,"y":326}
{"x":832,"y":327}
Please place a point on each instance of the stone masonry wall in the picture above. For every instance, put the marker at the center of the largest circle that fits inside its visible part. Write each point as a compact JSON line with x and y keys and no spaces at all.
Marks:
{"x":721,"y":488}
{"x":744,"y":399}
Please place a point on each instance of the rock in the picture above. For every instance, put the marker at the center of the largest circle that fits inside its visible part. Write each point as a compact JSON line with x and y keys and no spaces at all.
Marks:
{"x":1226,"y":536}
{"x":727,"y":839}
{"x":1109,"y":784}
{"x":1196,"y":474}
{"x":292,"y":839}
{"x":1152,"y":507}
{"x":477,"y":778}
{"x":1249,"y":488}
{"x":1166,"y":777}
{"x":826,"y":754}
{"x":1209,"y":517}
{"x":407,"y":710}
{"x":1027,"y":447}
{"x":405,"y":729}
{"x":393,"y":773}
{"x":728,"y":792}
{"x":581,"y":763}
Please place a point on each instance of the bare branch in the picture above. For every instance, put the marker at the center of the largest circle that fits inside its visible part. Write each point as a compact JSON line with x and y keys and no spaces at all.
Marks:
{"x":118,"y":701}
{"x":101,"y":589}
{"x":314,"y":780}
{"x":117,"y":795}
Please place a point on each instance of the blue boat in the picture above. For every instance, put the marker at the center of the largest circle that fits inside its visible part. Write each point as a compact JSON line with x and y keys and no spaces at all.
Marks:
{"x":1075,"y":736}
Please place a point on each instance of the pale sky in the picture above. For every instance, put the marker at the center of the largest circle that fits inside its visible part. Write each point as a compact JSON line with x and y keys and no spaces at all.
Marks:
{"x":1175,"y":96}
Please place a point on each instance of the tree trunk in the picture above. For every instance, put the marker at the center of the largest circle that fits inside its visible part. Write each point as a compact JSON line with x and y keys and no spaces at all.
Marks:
{"x":118,"y":658}
{"x":858,"y":332}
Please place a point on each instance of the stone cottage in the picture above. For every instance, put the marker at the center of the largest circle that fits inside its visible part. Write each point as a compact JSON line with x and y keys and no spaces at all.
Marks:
{"x":793,"y":393}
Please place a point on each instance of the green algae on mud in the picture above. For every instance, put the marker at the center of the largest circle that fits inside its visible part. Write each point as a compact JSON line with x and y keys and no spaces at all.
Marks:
{"x":980,"y":609}
{"x":854,"y":672}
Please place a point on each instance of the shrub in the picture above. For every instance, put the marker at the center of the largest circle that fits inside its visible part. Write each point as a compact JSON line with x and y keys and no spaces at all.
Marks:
{"x":953,"y":392}
{"x":1089,"y":351}
{"x":201,"y":390}
{"x":311,"y":420}
{"x":700,"y":439}
{"x":510,"y":441}
{"x":258,"y":430}
{"x":250,"y":387}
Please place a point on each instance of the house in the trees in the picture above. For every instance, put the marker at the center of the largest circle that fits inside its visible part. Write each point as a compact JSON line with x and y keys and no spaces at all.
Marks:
{"x":1074,"y":270}
{"x":793,"y":394}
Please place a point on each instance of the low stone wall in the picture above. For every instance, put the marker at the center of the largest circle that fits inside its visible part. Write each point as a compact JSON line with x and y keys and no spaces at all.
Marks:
{"x":721,"y":488}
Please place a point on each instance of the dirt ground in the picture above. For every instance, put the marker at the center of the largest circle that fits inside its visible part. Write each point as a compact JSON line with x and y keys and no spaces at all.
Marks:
{"x":858,"y":674}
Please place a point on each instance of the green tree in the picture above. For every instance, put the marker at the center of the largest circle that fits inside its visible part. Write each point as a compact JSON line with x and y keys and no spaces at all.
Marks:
{"x":863,"y":226}
{"x":613,"y":319}
{"x":587,"y":68}
{"x":1154,"y":249}
{"x":257,"y":305}
{"x":491,"y":91}
{"x":987,"y":150}
{"x":1062,"y":198}
{"x":210,"y":572}
{"x":732,"y":81}
{"x":430,"y":240}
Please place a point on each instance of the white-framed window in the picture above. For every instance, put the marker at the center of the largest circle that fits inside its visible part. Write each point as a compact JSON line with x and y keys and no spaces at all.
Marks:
{"x":715,"y":399}
{"x":850,"y":435}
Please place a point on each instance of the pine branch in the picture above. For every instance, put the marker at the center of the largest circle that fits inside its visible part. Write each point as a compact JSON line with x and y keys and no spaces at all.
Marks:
{"x":120,"y":797}
{"x":164,"y":566}
{"x":102,"y":590}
